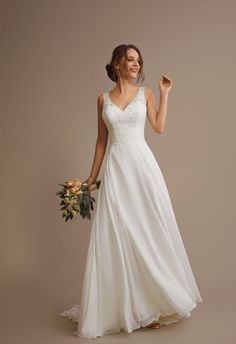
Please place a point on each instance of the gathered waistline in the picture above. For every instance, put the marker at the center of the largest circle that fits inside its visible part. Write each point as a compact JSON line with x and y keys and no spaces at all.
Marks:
{"x":126,"y":141}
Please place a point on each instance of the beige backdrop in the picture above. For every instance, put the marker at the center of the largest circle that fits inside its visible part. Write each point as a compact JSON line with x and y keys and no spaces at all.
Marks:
{"x":53,"y":56}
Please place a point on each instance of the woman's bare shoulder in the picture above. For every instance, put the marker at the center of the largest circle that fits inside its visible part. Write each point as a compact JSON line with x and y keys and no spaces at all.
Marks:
{"x":148,"y":92}
{"x":100,"y":100}
{"x":101,"y":97}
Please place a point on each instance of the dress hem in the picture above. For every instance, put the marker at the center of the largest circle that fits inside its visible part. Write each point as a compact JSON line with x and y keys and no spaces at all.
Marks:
{"x":73,"y":314}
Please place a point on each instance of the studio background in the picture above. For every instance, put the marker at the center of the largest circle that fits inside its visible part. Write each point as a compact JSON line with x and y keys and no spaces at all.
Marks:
{"x":53,"y":57}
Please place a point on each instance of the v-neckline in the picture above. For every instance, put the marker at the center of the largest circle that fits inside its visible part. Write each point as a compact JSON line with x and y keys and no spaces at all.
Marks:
{"x":123,"y":110}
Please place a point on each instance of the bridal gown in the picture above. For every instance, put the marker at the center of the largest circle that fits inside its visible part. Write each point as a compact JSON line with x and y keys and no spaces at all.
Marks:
{"x":137,"y":270}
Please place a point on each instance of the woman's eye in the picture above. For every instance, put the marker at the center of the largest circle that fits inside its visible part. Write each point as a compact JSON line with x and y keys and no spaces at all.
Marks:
{"x":132,"y":60}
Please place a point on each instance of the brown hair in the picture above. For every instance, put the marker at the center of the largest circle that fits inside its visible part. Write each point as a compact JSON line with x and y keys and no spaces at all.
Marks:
{"x":117,"y":54}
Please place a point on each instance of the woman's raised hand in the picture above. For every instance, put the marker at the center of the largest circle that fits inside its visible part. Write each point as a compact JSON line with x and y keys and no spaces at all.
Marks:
{"x":165,"y":84}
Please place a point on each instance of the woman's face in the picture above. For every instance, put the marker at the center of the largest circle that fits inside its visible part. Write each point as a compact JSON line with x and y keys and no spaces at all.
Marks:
{"x":129,"y":65}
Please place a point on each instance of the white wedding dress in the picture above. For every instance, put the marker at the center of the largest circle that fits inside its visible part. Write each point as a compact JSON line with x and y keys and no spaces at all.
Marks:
{"x":137,"y":270}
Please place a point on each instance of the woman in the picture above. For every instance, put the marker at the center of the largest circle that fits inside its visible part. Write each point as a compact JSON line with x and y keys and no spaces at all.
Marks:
{"x":137,"y":271}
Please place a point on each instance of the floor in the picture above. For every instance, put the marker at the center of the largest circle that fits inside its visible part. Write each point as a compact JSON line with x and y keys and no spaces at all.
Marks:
{"x":26,"y":321}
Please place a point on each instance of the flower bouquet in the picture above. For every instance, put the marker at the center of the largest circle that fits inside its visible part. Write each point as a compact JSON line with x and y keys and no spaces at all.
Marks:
{"x":76,"y":198}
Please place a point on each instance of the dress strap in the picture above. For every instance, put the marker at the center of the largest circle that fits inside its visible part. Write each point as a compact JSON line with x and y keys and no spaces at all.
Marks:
{"x":104,"y":98}
{"x":143,"y":93}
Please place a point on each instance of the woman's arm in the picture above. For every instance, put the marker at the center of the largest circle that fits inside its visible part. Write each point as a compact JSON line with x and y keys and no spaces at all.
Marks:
{"x":101,"y":144}
{"x":157,"y":118}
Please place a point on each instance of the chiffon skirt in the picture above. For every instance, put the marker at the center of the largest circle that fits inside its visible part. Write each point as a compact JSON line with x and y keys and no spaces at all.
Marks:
{"x":137,"y":270}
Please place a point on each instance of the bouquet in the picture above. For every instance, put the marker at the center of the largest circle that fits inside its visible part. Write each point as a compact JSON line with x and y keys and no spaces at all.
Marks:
{"x":76,"y":198}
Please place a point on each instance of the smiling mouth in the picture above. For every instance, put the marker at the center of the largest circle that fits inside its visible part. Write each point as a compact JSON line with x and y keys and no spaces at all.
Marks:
{"x":134,"y":70}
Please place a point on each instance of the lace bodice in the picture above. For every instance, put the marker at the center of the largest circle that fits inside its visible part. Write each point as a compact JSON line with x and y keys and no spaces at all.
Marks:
{"x":128,"y":124}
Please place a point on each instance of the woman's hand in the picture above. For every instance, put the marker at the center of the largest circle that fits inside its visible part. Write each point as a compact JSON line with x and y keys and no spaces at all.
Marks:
{"x":165,"y":84}
{"x":76,"y":183}
{"x":89,"y":181}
